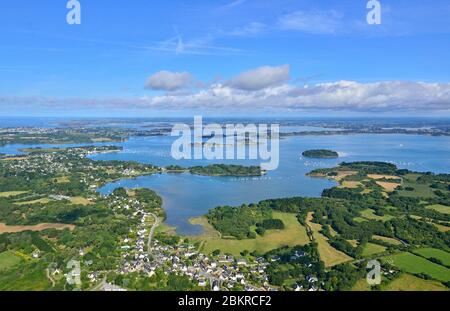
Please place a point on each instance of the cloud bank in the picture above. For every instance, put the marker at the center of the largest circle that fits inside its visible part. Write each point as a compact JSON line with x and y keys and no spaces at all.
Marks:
{"x":264,"y":89}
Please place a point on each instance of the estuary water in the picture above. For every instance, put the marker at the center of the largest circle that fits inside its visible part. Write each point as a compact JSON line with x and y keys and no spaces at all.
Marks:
{"x":187,"y":195}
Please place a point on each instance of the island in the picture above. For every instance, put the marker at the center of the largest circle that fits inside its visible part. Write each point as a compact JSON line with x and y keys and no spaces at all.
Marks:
{"x":227,"y":170}
{"x":217,"y":170}
{"x":321,"y":154}
{"x":52,"y":212}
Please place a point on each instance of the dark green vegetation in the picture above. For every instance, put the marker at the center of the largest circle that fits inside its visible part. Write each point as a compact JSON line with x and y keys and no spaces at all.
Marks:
{"x":58,"y":187}
{"x":98,"y":222}
{"x":321,"y":154}
{"x":227,"y":170}
{"x":352,"y":218}
{"x":221,"y":170}
{"x":238,"y":221}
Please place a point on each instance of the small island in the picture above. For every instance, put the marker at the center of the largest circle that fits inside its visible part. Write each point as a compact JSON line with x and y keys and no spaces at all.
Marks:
{"x":321,"y":154}
{"x":227,"y":170}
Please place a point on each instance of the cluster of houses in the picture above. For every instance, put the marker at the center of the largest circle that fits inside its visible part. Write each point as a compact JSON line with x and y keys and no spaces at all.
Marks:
{"x":220,"y":272}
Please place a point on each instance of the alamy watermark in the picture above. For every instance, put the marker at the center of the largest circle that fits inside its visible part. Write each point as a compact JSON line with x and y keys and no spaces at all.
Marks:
{"x":74,"y":15}
{"x":230,"y":142}
{"x":374,"y":275}
{"x":374,"y":15}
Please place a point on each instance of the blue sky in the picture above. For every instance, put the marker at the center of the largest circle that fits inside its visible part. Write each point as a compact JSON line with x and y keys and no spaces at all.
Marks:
{"x":303,"y":57}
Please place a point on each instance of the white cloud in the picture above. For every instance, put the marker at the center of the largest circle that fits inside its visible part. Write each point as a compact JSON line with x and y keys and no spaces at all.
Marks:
{"x":170,"y":81}
{"x":389,"y":96}
{"x":313,"y":22}
{"x":260,"y":78}
{"x":396,"y":97}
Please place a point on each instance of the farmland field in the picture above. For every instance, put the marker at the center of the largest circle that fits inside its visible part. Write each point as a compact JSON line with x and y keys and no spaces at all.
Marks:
{"x":11,"y":229}
{"x":414,"y":264}
{"x":329,"y":255}
{"x":434,"y":253}
{"x":8,"y":260}
{"x":370,"y":215}
{"x":387,"y":240}
{"x":372,"y":249}
{"x":408,"y":282}
{"x":8,"y":194}
{"x":293,"y":234}
{"x":440,"y":208}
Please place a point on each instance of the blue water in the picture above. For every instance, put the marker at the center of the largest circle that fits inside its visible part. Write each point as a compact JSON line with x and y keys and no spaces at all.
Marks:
{"x":188,"y":196}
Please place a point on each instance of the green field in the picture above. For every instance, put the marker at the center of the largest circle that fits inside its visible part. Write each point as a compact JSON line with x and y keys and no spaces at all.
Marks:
{"x":408,"y":282}
{"x":8,"y":260}
{"x":387,"y":240}
{"x":361,"y":286}
{"x":440,"y":208}
{"x":414,"y":264}
{"x":39,"y":201}
{"x":369,"y":214}
{"x":293,"y":234}
{"x":420,"y":190}
{"x":329,"y":255}
{"x":441,"y":228}
{"x":434,"y":253}
{"x":372,"y":249}
{"x":30,"y":277}
{"x":8,"y":194}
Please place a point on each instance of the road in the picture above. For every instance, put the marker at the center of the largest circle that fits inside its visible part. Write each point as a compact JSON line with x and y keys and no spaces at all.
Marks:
{"x":152,"y":232}
{"x":47,"y":272}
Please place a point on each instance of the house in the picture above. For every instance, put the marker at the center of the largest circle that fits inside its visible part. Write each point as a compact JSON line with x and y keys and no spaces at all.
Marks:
{"x":36,"y":254}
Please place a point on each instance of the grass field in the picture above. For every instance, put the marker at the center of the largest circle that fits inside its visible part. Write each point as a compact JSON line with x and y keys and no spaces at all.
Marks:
{"x":329,"y":255}
{"x":441,"y":228}
{"x":29,"y":277}
{"x":434,"y":253}
{"x":361,"y":286}
{"x":8,"y":194}
{"x":370,"y":215}
{"x":13,"y":229}
{"x":388,"y":186}
{"x":351,"y":184}
{"x":387,"y":240}
{"x":39,"y":201}
{"x":8,"y":260}
{"x":80,"y":201}
{"x":440,"y":208}
{"x":377,"y":176}
{"x":408,"y":282}
{"x":420,"y":190}
{"x":372,"y":249}
{"x":63,"y":180}
{"x":293,"y":234}
{"x":414,"y":264}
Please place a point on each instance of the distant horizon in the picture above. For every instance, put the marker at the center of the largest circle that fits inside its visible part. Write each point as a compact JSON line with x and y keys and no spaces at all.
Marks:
{"x":237,"y":117}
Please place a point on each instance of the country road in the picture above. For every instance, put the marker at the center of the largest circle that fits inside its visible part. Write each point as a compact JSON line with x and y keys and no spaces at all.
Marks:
{"x":152,"y":232}
{"x":47,"y":273}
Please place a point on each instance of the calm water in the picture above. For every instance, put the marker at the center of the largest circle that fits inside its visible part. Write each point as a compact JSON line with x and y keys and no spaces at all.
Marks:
{"x":187,"y":196}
